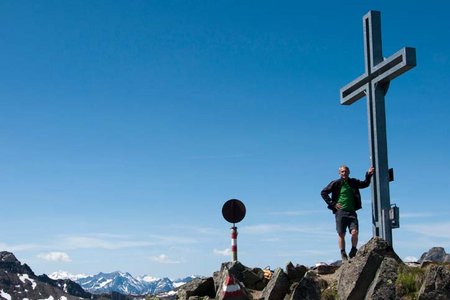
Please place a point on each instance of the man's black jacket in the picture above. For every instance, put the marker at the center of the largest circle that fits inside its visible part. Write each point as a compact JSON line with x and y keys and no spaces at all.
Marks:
{"x":334,"y":188}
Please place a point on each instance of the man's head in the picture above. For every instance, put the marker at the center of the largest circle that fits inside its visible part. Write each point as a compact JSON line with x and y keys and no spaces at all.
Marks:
{"x":344,"y":171}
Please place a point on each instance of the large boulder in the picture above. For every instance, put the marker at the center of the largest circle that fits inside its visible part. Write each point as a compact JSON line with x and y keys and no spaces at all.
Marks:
{"x":231,"y":288}
{"x":436,"y":284}
{"x":383,"y":285}
{"x":197,"y":287}
{"x":253,"y":279}
{"x":307,"y":289}
{"x":295,"y":273}
{"x":369,"y":270}
{"x":277,"y":287}
{"x":250,"y":278}
{"x":234,"y":269}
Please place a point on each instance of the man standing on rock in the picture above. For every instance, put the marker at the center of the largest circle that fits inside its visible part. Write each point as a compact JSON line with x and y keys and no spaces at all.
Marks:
{"x":345,"y":200}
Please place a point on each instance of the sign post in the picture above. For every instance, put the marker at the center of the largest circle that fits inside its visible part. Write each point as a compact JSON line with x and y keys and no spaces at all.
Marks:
{"x":233,"y":211}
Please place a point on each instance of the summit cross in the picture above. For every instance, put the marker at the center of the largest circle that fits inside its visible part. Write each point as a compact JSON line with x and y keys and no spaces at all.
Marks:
{"x":374,"y":84}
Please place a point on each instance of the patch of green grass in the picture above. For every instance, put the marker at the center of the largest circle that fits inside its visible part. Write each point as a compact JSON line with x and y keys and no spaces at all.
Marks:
{"x":409,"y":281}
{"x":330,"y":292}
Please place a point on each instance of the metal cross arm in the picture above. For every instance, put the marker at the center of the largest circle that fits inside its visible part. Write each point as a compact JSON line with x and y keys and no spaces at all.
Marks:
{"x":384,"y":72}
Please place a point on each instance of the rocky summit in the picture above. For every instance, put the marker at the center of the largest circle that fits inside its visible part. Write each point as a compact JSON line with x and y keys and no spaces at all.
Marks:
{"x":375,"y":273}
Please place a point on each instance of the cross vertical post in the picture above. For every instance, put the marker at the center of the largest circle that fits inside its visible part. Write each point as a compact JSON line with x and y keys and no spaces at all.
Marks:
{"x":374,"y":84}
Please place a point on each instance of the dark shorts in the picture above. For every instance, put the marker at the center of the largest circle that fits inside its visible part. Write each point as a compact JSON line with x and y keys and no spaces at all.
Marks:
{"x":346,"y":219}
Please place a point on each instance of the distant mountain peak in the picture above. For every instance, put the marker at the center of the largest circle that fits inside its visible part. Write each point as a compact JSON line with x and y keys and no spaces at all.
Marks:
{"x":6,"y":256}
{"x":148,"y":278}
{"x":436,"y":254}
{"x":66,"y":275}
{"x":125,"y":283}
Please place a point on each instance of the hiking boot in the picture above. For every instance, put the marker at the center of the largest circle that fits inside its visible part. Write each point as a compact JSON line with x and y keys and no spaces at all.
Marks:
{"x":344,"y":256}
{"x":353,"y":252}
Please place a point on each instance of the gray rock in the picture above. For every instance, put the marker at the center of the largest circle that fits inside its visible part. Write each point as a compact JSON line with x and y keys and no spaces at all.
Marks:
{"x":277,"y":287}
{"x":436,"y":284}
{"x":326,"y":269}
{"x":356,"y":276}
{"x":233,"y":268}
{"x":263,"y":280}
{"x":295,"y":273}
{"x":249,"y":279}
{"x":383,"y":285}
{"x":253,"y":279}
{"x":307,"y":289}
{"x":237,"y":293}
{"x":200,"y":287}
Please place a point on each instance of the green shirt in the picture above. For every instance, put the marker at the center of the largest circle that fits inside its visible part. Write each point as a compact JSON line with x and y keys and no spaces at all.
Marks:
{"x":346,"y":198}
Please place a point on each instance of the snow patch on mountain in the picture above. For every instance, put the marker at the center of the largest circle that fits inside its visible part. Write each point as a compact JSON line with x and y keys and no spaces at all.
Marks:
{"x":24,"y":277}
{"x":66,"y":275}
{"x":5,"y":295}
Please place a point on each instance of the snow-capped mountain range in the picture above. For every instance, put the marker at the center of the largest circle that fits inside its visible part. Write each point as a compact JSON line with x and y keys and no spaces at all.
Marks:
{"x":123,"y":283}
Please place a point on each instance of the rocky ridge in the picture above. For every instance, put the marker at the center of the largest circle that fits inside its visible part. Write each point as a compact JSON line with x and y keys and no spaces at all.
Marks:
{"x":376,"y":272}
{"x":19,"y":281}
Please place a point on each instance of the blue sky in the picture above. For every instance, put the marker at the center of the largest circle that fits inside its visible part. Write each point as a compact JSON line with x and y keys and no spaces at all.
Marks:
{"x":126,"y":125}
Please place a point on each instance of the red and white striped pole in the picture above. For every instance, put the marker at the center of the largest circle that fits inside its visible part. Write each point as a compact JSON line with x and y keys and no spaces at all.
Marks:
{"x":234,"y":234}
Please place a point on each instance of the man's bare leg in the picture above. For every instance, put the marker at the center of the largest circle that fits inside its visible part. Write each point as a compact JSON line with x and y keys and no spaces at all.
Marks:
{"x":341,"y":243}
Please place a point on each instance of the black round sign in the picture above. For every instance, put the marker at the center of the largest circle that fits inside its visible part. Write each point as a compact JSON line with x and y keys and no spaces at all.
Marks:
{"x":233,"y":211}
